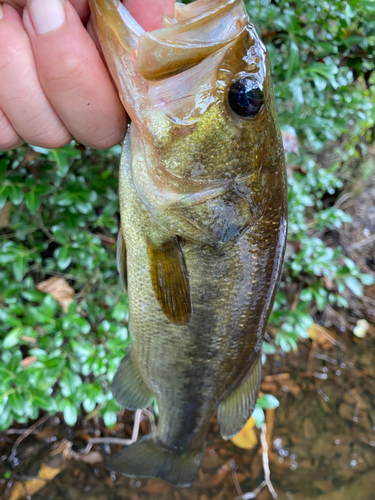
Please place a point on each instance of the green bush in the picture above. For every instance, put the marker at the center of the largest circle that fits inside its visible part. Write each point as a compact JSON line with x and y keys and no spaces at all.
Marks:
{"x":64,"y":220}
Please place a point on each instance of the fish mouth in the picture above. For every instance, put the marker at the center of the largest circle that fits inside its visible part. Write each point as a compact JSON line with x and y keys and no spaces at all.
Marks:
{"x":198,"y":30}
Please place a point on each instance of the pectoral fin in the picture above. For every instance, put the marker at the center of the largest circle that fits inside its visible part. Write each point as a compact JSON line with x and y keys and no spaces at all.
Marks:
{"x":128,"y":386}
{"x":170,"y":280}
{"x":236,"y":410}
{"x":121,"y":260}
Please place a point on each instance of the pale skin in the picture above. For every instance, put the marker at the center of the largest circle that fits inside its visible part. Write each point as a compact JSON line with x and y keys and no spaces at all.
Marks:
{"x":54,"y":86}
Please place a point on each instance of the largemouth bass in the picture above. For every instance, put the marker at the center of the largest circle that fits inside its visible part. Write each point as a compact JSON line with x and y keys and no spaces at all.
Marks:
{"x":203,"y":203}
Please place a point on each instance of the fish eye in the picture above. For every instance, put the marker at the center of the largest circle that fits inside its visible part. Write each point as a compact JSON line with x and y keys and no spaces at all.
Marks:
{"x":245,"y":97}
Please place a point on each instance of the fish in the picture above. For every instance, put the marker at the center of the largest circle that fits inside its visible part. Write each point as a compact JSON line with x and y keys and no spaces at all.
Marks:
{"x":203,"y":205}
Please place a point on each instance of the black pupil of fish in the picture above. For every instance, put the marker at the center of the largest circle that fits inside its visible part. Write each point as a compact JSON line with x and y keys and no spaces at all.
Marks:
{"x":245,"y":100}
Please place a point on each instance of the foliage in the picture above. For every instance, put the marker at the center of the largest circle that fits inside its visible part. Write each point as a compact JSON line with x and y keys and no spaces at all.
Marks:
{"x":321,"y":56}
{"x":63,"y":201}
{"x":64,"y":218}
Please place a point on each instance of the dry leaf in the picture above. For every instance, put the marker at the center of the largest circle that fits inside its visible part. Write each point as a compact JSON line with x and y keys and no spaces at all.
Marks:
{"x":59,"y":289}
{"x":322,"y":336}
{"x":47,"y":472}
{"x":247,"y":437}
{"x":26,"y":338}
{"x":28,"y":361}
{"x":5,"y":215}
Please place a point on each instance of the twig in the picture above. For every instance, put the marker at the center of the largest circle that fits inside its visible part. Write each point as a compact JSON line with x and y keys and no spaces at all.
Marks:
{"x":235,"y":479}
{"x":267,"y":473}
{"x":252,"y":494}
{"x":360,"y":243}
{"x":17,"y":431}
{"x":25,"y":434}
{"x":120,"y":441}
{"x":266,"y":465}
{"x":137,"y":423}
{"x":110,"y":440}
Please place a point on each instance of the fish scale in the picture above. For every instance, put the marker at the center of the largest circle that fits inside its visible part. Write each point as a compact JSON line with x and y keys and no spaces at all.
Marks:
{"x":203,"y":204}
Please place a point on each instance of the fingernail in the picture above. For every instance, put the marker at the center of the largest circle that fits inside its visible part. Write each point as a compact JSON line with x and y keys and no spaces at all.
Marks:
{"x":1,"y":11}
{"x":46,"y":15}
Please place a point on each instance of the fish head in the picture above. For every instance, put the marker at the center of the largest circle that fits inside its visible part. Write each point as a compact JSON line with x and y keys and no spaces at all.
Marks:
{"x":199,"y":90}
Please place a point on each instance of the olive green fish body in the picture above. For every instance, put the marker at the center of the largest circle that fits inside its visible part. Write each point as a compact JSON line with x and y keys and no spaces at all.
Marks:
{"x":203,"y":213}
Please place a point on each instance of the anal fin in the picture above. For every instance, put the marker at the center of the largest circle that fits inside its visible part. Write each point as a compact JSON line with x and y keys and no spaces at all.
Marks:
{"x":236,"y":410}
{"x":128,"y":387}
{"x":121,"y":260}
{"x":170,"y":280}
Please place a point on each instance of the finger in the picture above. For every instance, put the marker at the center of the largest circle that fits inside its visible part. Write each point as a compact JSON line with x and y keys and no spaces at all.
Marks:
{"x":81,"y":6}
{"x":73,"y":75}
{"x":149,"y":12}
{"x":9,"y":139}
{"x":21,"y":96}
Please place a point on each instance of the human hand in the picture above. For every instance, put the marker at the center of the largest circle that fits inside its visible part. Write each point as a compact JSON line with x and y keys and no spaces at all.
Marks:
{"x":53,"y":84}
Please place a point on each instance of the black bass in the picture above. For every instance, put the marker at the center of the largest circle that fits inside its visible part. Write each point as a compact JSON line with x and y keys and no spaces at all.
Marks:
{"x":203,"y":202}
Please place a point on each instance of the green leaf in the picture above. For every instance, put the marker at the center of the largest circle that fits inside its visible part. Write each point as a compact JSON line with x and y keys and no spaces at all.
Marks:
{"x":60,"y":235}
{"x":15,"y":194}
{"x":3,"y":169}
{"x":361,"y":328}
{"x":12,"y":338}
{"x":49,"y":305}
{"x":354,"y":285}
{"x":63,"y":256}
{"x":6,"y":418}
{"x":69,"y":382}
{"x":70,"y":413}
{"x":17,"y":403}
{"x":110,"y":418}
{"x":43,"y":400}
{"x":32,"y":201}
{"x":367,"y":279}
{"x":20,"y":266}
{"x":89,"y":405}
{"x":15,"y":361}
{"x":293,"y":60}
{"x":5,"y":376}
{"x":268,"y":402}
{"x":268,"y":348}
{"x":3,"y":195}
{"x":258,"y":416}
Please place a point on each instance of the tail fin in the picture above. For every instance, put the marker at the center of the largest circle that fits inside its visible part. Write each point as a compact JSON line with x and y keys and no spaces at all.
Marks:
{"x":146,"y":459}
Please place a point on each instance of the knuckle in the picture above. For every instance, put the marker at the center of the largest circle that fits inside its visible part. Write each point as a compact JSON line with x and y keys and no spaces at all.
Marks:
{"x":12,"y":53}
{"x":72,"y":71}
